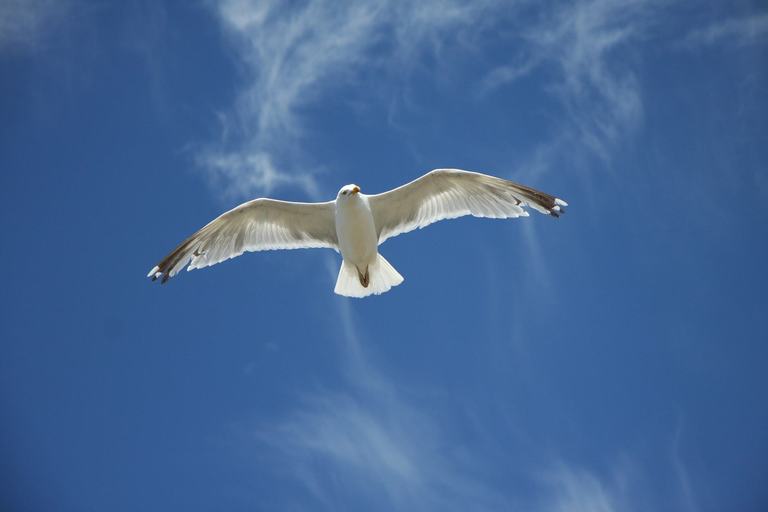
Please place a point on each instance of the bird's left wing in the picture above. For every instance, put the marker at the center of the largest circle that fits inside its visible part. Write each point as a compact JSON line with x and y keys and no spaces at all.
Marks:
{"x":258,"y":225}
{"x":450,"y":193}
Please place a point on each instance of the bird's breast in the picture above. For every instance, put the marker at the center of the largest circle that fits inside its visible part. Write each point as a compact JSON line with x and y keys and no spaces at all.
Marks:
{"x":356,"y":231}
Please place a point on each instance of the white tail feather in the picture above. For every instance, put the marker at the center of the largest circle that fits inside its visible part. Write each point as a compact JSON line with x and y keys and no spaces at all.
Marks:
{"x":381,"y":277}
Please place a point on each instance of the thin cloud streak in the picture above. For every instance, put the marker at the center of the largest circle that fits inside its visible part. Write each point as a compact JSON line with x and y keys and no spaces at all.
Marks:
{"x":385,"y":452}
{"x":25,"y":23}
{"x":586,"y":43}
{"x":292,"y":56}
{"x":577,"y":490}
{"x":374,"y":441}
{"x":600,"y":94}
{"x":392,"y":454}
{"x":687,"y":497}
{"x":506,"y":74}
{"x":597,"y":90}
{"x":741,"y":31}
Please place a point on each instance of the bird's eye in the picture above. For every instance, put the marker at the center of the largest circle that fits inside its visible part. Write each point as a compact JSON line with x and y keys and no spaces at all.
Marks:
{"x":344,"y":193}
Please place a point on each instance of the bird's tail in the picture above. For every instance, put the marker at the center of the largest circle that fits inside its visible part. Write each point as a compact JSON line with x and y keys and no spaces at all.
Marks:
{"x":378,"y":278}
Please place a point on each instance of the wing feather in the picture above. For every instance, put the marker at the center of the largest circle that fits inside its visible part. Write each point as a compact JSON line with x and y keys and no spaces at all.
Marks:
{"x":450,"y":193}
{"x":258,"y":225}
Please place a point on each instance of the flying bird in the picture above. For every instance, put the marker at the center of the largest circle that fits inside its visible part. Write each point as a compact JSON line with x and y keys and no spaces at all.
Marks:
{"x":355,"y":224}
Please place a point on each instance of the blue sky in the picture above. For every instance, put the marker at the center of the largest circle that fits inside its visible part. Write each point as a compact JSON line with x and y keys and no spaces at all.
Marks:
{"x":612,"y":360}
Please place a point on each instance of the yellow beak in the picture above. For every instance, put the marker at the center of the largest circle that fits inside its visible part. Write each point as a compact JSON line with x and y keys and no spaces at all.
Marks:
{"x":355,"y":189}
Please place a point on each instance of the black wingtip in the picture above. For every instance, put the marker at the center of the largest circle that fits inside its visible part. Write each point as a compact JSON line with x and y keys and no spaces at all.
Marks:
{"x":558,"y":208}
{"x":158,"y":273}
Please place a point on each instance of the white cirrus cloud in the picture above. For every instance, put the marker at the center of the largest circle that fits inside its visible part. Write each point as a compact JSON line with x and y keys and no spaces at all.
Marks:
{"x":25,"y":23}
{"x":589,"y":44}
{"x":571,"y":489}
{"x":742,"y":31}
{"x":368,"y":442}
{"x":378,"y":448}
{"x":293,"y":54}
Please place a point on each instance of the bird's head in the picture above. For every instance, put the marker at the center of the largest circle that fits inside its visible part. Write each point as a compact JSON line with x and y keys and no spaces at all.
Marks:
{"x":348,"y":191}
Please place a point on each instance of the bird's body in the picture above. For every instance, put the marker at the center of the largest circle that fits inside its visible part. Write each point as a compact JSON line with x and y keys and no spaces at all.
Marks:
{"x":355,"y":224}
{"x":355,"y":229}
{"x":363,"y":270}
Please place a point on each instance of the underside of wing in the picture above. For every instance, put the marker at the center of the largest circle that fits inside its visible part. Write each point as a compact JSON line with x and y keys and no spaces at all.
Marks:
{"x":450,"y":193}
{"x":258,"y":225}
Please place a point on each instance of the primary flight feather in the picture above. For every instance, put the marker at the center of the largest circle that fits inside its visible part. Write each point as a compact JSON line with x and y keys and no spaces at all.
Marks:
{"x":355,"y":224}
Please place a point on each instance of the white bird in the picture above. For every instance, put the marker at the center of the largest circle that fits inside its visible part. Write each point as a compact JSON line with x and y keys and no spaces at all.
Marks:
{"x":355,"y":224}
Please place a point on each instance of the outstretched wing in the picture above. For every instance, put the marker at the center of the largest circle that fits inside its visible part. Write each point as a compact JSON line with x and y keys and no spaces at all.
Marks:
{"x":258,"y":225}
{"x":450,"y":193}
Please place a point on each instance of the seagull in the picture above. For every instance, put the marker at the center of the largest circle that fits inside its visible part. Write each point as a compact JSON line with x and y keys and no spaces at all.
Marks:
{"x":355,"y":224}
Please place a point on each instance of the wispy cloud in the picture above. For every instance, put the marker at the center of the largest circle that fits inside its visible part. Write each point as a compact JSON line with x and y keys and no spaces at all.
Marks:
{"x":339,"y":448}
{"x":506,"y":74}
{"x":383,"y":451}
{"x":587,"y":44}
{"x":741,"y":31}
{"x":686,"y":494}
{"x":600,"y":92}
{"x":24,"y":23}
{"x":368,"y":442}
{"x":371,"y":444}
{"x":583,"y":54}
{"x":571,"y":489}
{"x":292,"y":55}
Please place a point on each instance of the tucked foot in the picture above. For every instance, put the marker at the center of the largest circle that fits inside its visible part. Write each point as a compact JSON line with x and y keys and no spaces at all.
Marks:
{"x":364,"y":278}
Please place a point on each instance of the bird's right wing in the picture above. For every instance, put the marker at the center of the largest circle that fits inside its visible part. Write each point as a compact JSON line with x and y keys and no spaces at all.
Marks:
{"x":450,"y":193}
{"x":258,"y":225}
